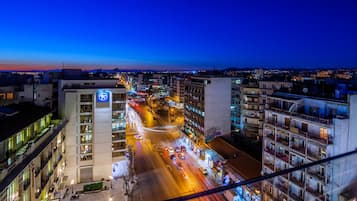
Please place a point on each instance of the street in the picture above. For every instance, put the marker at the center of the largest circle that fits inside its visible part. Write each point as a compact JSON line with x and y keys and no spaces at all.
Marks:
{"x":158,"y":176}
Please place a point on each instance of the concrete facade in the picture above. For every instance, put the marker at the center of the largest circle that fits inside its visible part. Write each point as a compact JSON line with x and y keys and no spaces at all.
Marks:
{"x":300,"y":129}
{"x":96,"y":113}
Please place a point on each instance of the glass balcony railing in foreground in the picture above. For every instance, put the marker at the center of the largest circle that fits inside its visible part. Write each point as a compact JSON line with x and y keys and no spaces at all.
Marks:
{"x":330,"y":179}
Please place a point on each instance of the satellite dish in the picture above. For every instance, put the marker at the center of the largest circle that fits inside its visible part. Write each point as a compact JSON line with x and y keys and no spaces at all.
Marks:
{"x":305,"y":90}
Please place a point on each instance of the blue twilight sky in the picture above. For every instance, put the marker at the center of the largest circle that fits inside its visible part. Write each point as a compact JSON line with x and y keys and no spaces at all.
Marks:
{"x":178,"y":33}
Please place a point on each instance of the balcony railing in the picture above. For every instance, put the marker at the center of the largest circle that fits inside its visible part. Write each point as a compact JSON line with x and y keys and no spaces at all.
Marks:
{"x":283,"y":141}
{"x":313,"y":191}
{"x":270,"y":151}
{"x":270,"y":166}
{"x":296,"y":180}
{"x":271,"y":136}
{"x":282,"y":187}
{"x":296,"y":197}
{"x":282,"y":157}
{"x":299,"y":148}
{"x":313,"y":155}
{"x":317,"y":175}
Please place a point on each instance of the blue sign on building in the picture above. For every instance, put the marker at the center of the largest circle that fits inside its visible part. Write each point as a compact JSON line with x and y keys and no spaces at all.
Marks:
{"x":103,"y":96}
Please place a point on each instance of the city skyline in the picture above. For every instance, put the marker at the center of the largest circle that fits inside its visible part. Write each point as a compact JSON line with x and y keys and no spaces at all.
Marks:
{"x":170,"y":35}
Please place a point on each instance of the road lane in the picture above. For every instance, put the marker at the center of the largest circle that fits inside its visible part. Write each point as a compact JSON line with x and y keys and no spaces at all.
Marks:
{"x":158,"y":177}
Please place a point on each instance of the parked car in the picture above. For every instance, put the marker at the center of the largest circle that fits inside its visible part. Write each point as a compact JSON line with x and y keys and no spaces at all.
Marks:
{"x":183,"y":149}
{"x":138,"y":137}
{"x":181,"y":156}
{"x":177,"y":150}
{"x":203,"y":170}
{"x":173,"y":157}
{"x":170,"y":150}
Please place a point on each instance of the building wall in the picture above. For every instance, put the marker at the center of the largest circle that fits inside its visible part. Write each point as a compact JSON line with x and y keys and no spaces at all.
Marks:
{"x":90,"y":141}
{"x":217,"y":106}
{"x":102,"y":163}
{"x":71,"y":110}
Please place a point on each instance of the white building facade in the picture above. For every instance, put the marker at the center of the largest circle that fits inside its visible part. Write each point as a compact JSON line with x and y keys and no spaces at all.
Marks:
{"x":97,"y":121}
{"x":299,"y":130}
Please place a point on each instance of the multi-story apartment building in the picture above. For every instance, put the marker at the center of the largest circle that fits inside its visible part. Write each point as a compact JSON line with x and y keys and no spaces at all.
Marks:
{"x":39,"y":94}
{"x":178,"y":89}
{"x":251,"y":117}
{"x":31,"y":153}
{"x":96,"y":110}
{"x":207,"y":108}
{"x":235,"y":106}
{"x":301,"y":129}
{"x":266,"y":88}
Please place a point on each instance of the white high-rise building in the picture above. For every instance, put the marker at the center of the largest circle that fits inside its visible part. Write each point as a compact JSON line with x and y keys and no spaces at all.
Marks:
{"x":96,"y":128}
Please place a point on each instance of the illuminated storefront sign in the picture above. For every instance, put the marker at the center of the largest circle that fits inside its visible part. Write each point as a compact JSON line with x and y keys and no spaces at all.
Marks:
{"x":103,"y":96}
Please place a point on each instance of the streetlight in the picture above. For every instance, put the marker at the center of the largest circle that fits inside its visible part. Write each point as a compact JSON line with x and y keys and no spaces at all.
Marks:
{"x":72,"y":182}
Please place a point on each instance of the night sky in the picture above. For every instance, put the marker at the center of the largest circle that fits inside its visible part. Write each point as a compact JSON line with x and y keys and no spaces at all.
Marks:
{"x":178,"y":33}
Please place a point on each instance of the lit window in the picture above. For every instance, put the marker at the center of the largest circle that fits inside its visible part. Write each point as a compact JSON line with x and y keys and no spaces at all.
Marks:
{"x":18,"y":138}
{"x":323,"y":133}
{"x":9,"y":96}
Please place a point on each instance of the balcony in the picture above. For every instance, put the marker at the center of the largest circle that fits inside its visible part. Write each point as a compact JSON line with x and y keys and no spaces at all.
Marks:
{"x":283,"y":141}
{"x":298,"y":131}
{"x":269,"y":165}
{"x":26,"y":184}
{"x":314,"y":192}
{"x":296,"y":197}
{"x":297,"y":181}
{"x":317,"y":138}
{"x":283,"y":157}
{"x":267,"y":192}
{"x":313,"y":155}
{"x":317,"y":175}
{"x":270,"y":121}
{"x":296,"y":163}
{"x":283,"y":188}
{"x":312,"y":118}
{"x":270,"y":151}
{"x":282,"y":197}
{"x":271,"y":136}
{"x":299,"y":148}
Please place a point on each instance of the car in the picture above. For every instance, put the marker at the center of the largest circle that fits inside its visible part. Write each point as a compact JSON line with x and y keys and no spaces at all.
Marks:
{"x":173,"y":157}
{"x":170,"y":150}
{"x":177,"y":150}
{"x":183,"y":149}
{"x":203,"y":170}
{"x":138,"y":137}
{"x":181,"y":156}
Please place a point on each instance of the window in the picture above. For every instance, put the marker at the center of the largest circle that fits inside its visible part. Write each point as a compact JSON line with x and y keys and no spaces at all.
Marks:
{"x":118,"y":106}
{"x":10,"y":96}
{"x":85,"y":149}
{"x":119,"y":97}
{"x":85,"y":119}
{"x":86,"y":138}
{"x":86,"y":128}
{"x":86,"y":98}
{"x":18,"y":138}
{"x":323,"y":133}
{"x":86,"y":157}
{"x":85,"y":108}
{"x":304,"y":127}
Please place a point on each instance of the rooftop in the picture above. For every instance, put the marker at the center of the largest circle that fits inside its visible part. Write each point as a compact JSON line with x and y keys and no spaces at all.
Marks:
{"x":27,"y":113}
